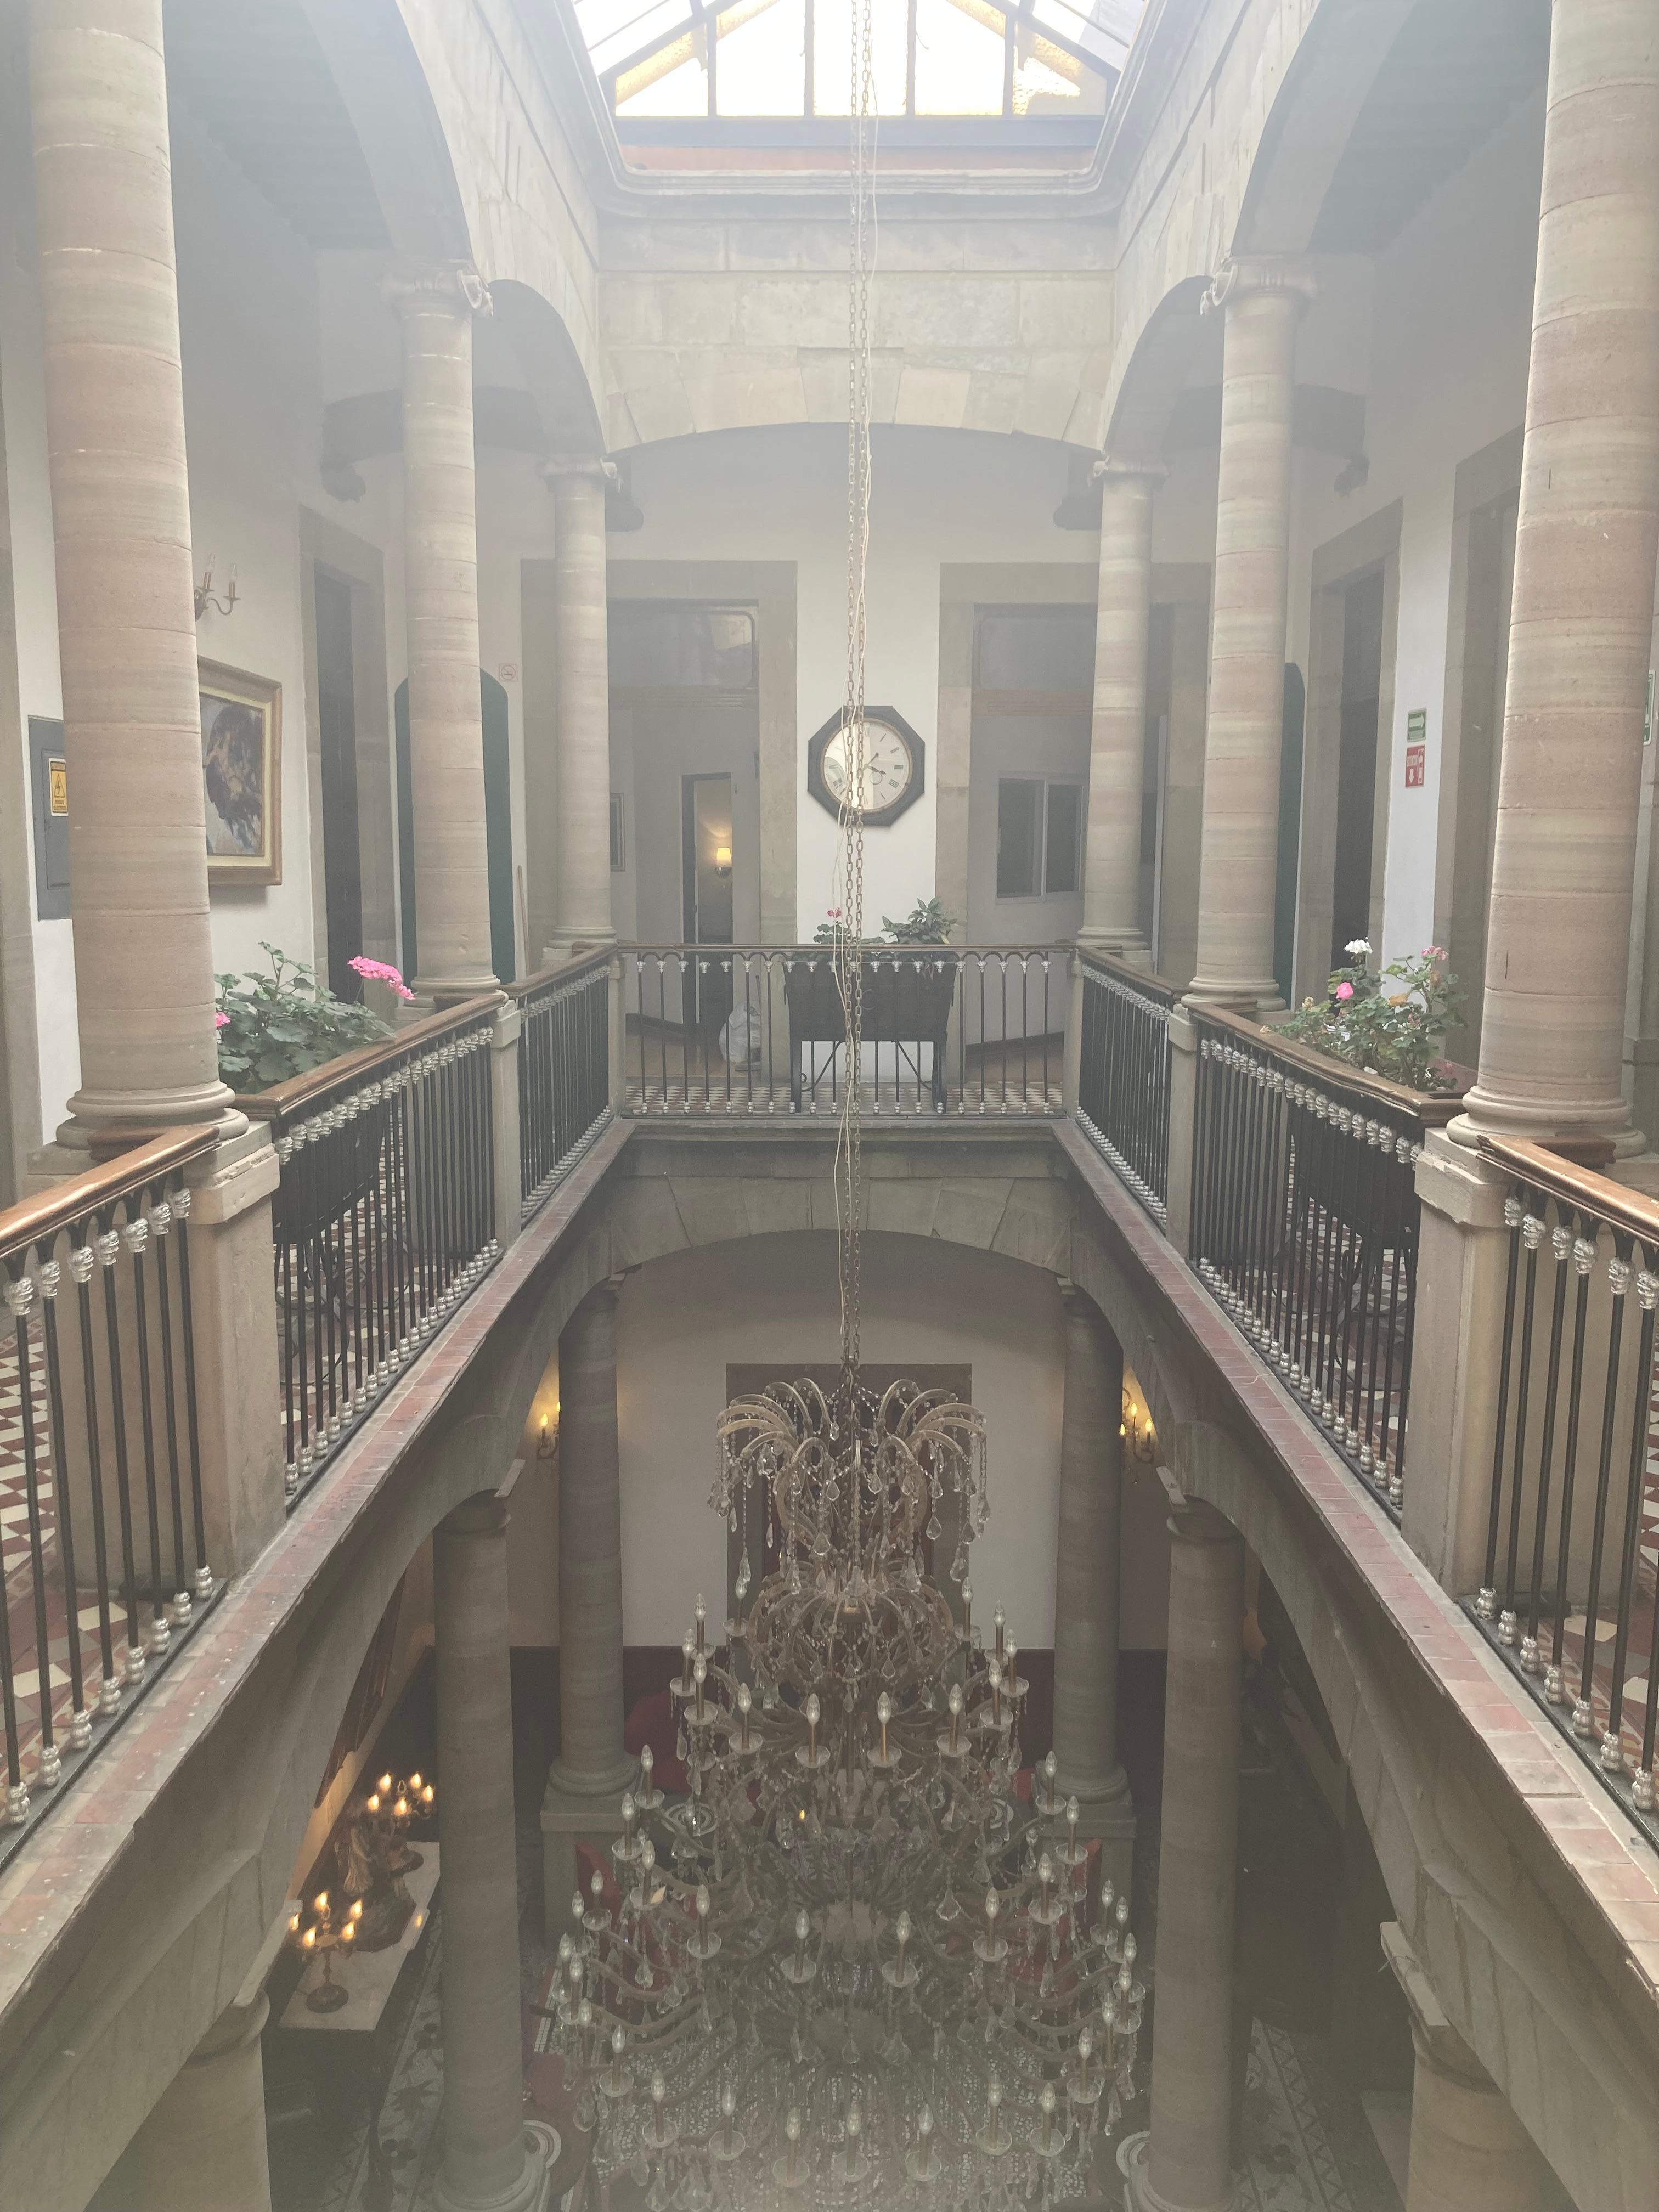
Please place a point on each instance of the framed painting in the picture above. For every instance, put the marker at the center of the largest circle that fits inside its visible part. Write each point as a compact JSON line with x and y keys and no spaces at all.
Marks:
{"x":241,"y":774}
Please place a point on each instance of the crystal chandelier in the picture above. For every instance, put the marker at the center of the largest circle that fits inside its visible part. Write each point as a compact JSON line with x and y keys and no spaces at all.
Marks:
{"x":852,"y":1966}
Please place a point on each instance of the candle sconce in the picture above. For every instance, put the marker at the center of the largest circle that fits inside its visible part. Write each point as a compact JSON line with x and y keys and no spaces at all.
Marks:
{"x":206,"y":596}
{"x":378,"y":1854}
{"x":1139,"y":1442}
{"x":547,"y":1438}
{"x":316,"y":1931}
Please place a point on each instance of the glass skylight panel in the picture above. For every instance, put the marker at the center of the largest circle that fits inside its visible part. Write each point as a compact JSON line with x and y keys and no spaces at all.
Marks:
{"x":832,"y":59}
{"x":760,"y":59}
{"x":960,"y":57}
{"x":672,"y":81}
{"x":1048,"y":80}
{"x":616,"y":29}
{"x":1105,"y":30}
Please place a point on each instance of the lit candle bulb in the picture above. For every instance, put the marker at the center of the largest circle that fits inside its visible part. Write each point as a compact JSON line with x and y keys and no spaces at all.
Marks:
{"x":884,"y":1715}
{"x":427,"y":1794}
{"x":1086,"y":2050}
{"x":372,"y":1802}
{"x":745,"y":1705}
{"x":1046,"y":2103}
{"x":999,"y":1623}
{"x":686,"y":1653}
{"x":901,"y":1930}
{"x":701,"y":1617}
{"x":629,"y":1813}
{"x":700,"y":1675}
{"x":729,"y":2114}
{"x":647,"y":1761}
{"x":814,"y":1712}
{"x":385,"y":1785}
{"x":319,"y":1904}
{"x":414,"y":1785}
{"x":955,"y":1703}
{"x":294,"y":1924}
{"x":349,"y":1931}
{"x":358,"y":1908}
{"x":967,"y":1613}
{"x":309,"y":1939}
{"x":994,"y":1676}
{"x":1050,"y":1769}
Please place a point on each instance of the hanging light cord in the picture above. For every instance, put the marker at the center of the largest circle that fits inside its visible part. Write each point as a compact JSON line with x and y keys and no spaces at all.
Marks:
{"x":849,"y":926}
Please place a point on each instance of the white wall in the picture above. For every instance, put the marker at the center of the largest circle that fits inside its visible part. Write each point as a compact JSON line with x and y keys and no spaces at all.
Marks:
{"x":683,"y":1318}
{"x":781,"y":495}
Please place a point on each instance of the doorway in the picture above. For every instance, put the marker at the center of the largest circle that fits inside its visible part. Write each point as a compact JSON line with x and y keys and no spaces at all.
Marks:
{"x":705,"y":878}
{"x":336,"y":725}
{"x":1356,"y":774}
{"x":498,"y":831}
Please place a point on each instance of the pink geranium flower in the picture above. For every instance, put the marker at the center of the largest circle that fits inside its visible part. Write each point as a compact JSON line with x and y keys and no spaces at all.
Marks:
{"x":380,"y":971}
{"x":1344,"y":990}
{"x":221,"y":1021}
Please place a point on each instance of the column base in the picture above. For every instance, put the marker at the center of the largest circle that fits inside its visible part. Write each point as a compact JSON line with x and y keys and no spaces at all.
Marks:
{"x":560,"y":952}
{"x":1139,"y":2196}
{"x":529,"y":2193}
{"x":1252,"y":1001}
{"x":577,"y":1809}
{"x":1106,"y":1812}
{"x":1128,"y":946}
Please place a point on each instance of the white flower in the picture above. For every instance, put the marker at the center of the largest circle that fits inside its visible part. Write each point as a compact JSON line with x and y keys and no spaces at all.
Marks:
{"x":1359,"y":945}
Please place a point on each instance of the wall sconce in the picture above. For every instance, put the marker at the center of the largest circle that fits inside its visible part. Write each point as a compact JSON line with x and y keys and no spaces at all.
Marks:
{"x":722,"y":860}
{"x":1135,"y":1428}
{"x":206,"y":598}
{"x":547,"y":1436}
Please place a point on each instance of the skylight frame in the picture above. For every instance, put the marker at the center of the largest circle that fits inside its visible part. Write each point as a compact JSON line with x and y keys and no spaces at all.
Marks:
{"x":694,"y":19}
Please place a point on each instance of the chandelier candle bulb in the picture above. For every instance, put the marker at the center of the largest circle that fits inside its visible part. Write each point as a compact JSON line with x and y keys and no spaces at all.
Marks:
{"x":968,"y":1612}
{"x":1000,"y":1624}
{"x":745,"y":1704}
{"x":702,"y":1618}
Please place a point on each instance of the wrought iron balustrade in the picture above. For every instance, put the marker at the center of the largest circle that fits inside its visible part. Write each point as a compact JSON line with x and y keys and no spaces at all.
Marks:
{"x":1304,"y":1224}
{"x":383,"y":1218}
{"x":948,"y":1030}
{"x":1573,"y":1527}
{"x":564,"y":1071}
{"x":107,"y":1569}
{"x":1124,"y":1074}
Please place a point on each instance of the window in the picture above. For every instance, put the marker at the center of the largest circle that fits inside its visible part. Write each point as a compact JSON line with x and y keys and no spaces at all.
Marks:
{"x":1039,"y":838}
{"x":671,"y":645}
{"x":665,"y":59}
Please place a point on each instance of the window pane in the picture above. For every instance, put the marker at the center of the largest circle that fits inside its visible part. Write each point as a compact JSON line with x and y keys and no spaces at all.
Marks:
{"x":960,"y":57}
{"x":1036,"y":649}
{"x":1019,"y":822}
{"x":614,"y":29}
{"x":1104,"y":29}
{"x":761,"y":58}
{"x":672,"y":82}
{"x":1049,"y":80}
{"x":1063,"y":871}
{"x":832,"y":56}
{"x":677,"y":647}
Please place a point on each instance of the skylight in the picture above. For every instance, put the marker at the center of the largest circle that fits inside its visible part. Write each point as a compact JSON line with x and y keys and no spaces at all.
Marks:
{"x":665,"y":60}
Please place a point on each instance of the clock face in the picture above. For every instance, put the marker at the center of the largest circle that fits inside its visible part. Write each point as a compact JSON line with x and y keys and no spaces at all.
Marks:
{"x":888,"y":768}
{"x":894,"y":761}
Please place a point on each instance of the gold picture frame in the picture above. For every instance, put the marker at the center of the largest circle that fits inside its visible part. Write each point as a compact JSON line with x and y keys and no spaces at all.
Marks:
{"x":241,"y":774}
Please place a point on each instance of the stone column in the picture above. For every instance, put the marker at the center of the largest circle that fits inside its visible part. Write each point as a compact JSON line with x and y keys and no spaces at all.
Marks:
{"x":1468,"y":2151}
{"x":115,"y":429}
{"x":1186,"y":2163}
{"x":1117,"y":747}
{"x":1086,"y":1585}
{"x":582,"y":894}
{"x":1581,"y":627}
{"x":440,"y":598}
{"x":490,"y":2164}
{"x":586,"y":1782}
{"x":1263,"y":303}
{"x":203,"y":2146}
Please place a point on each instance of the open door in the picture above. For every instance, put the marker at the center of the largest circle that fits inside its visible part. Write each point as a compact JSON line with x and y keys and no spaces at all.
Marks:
{"x":705,"y":891}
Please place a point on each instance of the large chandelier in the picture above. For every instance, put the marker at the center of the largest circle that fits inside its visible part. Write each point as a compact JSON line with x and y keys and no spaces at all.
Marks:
{"x":853,"y":1966}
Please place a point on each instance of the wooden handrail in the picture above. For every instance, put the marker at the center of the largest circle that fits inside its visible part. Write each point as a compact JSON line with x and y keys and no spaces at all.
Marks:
{"x":549,"y":979}
{"x":1538,"y":1166}
{"x":32,"y":1218}
{"x":1432,"y":1110}
{"x":1137,"y":979}
{"x":874,"y":947}
{"x":283,"y":1099}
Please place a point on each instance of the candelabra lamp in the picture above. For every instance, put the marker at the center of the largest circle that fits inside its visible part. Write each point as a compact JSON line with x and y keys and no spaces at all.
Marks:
{"x":318,"y":1931}
{"x":378,"y":1855}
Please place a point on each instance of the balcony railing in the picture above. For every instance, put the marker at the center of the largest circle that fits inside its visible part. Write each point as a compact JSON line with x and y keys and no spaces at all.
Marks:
{"x":1304,"y":1224}
{"x":1568,"y":1592}
{"x":383,"y":1220}
{"x":1124,"y":1074}
{"x":564,"y":1071}
{"x":108,"y":1568}
{"x":948,"y":1030}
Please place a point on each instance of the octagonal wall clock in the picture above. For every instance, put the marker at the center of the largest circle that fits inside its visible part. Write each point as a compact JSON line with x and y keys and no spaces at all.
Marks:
{"x":894,"y":765}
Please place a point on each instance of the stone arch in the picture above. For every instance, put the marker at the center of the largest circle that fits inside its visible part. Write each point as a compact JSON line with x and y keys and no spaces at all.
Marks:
{"x":1156,"y":374}
{"x":1534,"y":1985}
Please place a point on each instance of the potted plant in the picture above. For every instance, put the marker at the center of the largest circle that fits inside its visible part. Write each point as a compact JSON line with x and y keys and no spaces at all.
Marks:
{"x":273,"y":1027}
{"x":907,"y":1001}
{"x":1391,"y":1022}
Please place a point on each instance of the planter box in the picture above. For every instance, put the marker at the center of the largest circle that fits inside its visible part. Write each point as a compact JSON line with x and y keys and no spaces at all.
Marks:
{"x":906,"y":1002}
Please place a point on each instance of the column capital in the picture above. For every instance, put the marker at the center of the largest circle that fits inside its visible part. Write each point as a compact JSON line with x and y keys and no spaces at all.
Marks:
{"x":455,"y":285}
{"x":1254,"y":274}
{"x":1438,"y":2043}
{"x":582,"y":468}
{"x":1131,"y":468}
{"x":486,"y":1514}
